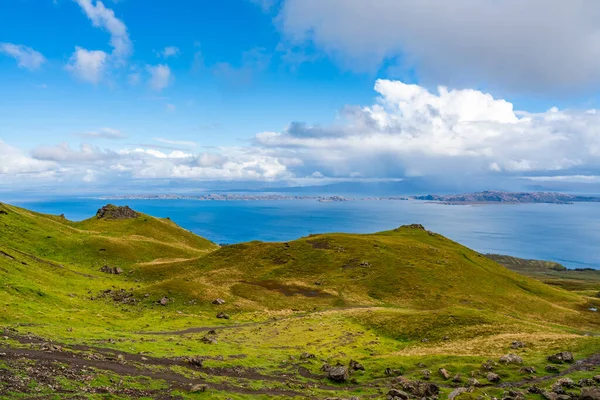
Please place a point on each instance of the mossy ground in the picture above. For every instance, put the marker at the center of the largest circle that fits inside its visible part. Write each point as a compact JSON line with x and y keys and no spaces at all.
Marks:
{"x":406,"y":300}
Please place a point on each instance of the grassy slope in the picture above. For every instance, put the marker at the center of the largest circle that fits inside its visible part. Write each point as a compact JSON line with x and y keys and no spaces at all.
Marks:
{"x":414,"y":286}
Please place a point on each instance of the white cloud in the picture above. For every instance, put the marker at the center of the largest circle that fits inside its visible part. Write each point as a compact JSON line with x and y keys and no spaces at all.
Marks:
{"x":532,"y":45}
{"x":105,"y":18}
{"x":14,"y":162}
{"x":160,"y":76}
{"x":88,"y":65}
{"x":170,"y":51}
{"x":412,"y":132}
{"x":104,"y":133}
{"x":26,"y":56}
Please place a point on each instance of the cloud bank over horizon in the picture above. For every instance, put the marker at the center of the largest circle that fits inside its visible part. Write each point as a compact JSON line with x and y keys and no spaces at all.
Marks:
{"x":408,"y":132}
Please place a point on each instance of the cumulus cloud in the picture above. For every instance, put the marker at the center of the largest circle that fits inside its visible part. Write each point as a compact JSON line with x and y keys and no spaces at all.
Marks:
{"x":26,"y":56}
{"x":15,"y":162}
{"x":105,"y":18}
{"x":413,"y":132}
{"x":88,"y":65}
{"x":170,"y":51}
{"x":526,"y":45}
{"x":160,"y":76}
{"x":91,"y":65}
{"x":462,"y":135}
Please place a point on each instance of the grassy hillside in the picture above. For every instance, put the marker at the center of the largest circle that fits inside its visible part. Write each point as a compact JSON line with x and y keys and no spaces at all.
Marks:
{"x":404,"y":300}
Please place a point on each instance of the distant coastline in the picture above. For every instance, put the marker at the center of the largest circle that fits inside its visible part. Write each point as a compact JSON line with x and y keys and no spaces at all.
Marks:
{"x":485,"y":197}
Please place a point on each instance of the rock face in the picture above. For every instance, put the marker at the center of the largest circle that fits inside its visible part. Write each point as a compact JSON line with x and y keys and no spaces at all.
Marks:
{"x":339,"y":373}
{"x":116,"y":212}
{"x":562,"y":357}
{"x":111,"y":270}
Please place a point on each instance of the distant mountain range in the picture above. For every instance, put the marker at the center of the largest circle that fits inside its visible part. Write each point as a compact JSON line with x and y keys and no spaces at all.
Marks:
{"x":509,"y":197}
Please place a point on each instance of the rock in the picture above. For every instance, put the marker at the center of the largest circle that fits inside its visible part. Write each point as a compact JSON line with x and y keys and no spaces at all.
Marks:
{"x":339,"y":373}
{"x":457,"y":392}
{"x":356,"y":366}
{"x":218,"y":302}
{"x":116,"y":212}
{"x":488,"y":365}
{"x":222,"y":315}
{"x":395,"y":394}
{"x":164,"y":301}
{"x":596,"y":378}
{"x":511,"y":359}
{"x":565,"y":382}
{"x":199,"y":388}
{"x":586,"y":382}
{"x":307,"y":356}
{"x":425,"y":389}
{"x":209,"y":340}
{"x":111,"y":270}
{"x":457,"y":378}
{"x":517,"y":345}
{"x":325,"y":367}
{"x":534,"y":390}
{"x":589,"y":393}
{"x":426,"y":374}
{"x":492,"y":377}
{"x":196,"y":362}
{"x":473,"y":382}
{"x":445,"y":374}
{"x":552,"y":369}
{"x":390,"y":371}
{"x":527,"y":370}
{"x":562,"y":357}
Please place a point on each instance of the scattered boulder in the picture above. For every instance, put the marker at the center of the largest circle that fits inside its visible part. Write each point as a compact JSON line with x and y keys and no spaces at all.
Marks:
{"x":111,"y":270}
{"x":199,"y":388}
{"x":390,"y":371}
{"x":307,"y":356}
{"x":222,"y":315}
{"x":164,"y":301}
{"x":325,"y":367}
{"x":517,"y":345}
{"x":596,"y":378}
{"x":552,"y":369}
{"x":492,"y":377}
{"x":488,"y":365}
{"x":444,"y":373}
{"x":395,"y":394}
{"x":426,"y":374}
{"x":589,"y":393}
{"x":457,"y":392}
{"x":356,"y":366}
{"x":116,"y":212}
{"x":218,"y":302}
{"x":209,"y":340}
{"x":457,"y":378}
{"x":534,"y":389}
{"x":527,"y":370}
{"x":473,"y":382}
{"x":196,"y":362}
{"x":339,"y":373}
{"x":586,"y":382}
{"x":562,"y":357}
{"x":565,"y":382}
{"x":511,"y":359}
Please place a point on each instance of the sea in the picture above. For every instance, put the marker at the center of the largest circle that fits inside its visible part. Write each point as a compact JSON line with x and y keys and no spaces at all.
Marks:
{"x":565,"y":233}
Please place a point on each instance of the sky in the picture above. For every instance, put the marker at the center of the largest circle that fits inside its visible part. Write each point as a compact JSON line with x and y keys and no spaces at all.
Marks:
{"x":156,"y":95}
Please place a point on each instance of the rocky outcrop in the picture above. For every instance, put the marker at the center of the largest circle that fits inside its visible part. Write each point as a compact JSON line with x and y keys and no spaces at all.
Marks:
{"x":111,"y":270}
{"x":116,"y":212}
{"x":562,"y":357}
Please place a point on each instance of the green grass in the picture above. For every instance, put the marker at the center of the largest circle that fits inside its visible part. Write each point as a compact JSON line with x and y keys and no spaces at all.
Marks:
{"x":391,"y":299}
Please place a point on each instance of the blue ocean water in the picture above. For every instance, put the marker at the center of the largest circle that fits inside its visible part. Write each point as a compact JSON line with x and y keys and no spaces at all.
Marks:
{"x":569,"y":234}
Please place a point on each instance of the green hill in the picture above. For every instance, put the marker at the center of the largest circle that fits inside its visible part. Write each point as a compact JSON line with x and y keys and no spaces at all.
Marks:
{"x":397,"y":299}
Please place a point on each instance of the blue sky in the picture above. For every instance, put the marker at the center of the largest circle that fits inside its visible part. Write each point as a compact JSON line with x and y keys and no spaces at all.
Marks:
{"x":297,"y":92}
